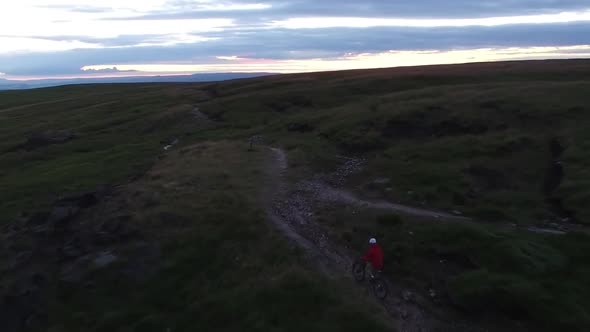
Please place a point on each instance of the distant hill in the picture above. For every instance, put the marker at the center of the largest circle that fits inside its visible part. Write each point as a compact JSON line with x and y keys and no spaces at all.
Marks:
{"x":212,"y":77}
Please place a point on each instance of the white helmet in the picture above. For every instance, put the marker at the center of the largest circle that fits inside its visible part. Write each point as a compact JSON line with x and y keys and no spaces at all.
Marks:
{"x":372,"y":240}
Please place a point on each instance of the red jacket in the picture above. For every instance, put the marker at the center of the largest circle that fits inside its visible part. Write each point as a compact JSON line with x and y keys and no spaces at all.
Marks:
{"x":375,"y":256}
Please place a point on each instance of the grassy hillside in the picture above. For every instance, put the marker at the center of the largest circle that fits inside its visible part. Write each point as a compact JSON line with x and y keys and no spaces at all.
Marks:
{"x":482,"y":139}
{"x":194,"y":252}
{"x":223,"y":269}
{"x":476,"y":138}
{"x":117,"y":132}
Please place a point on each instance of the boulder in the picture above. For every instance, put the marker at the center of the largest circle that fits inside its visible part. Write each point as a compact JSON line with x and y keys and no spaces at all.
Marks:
{"x":62,"y":214}
{"x":104,"y":259}
{"x":70,"y":252}
{"x":408,"y":296}
{"x":21,"y":259}
{"x":74,"y":272}
{"x":382,"y":181}
{"x":37,"y":219}
{"x":42,"y":139}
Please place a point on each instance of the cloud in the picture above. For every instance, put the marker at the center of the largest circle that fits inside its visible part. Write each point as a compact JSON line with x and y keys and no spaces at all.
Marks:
{"x":274,"y":9}
{"x":229,"y":58}
{"x":285,"y":44}
{"x":111,"y":29}
{"x":365,"y":22}
{"x":279,"y":44}
{"x":218,"y":6}
{"x":78,"y":8}
{"x":71,"y":34}
{"x":365,"y":60}
{"x":430,"y":8}
{"x":118,"y":41}
{"x":20,"y":45}
{"x":106,"y":70}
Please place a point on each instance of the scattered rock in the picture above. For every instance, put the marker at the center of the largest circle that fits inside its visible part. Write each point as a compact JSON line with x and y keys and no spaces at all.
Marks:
{"x":43,"y":229}
{"x":351,"y":166}
{"x":35,"y":322}
{"x":257,"y":139}
{"x":21,"y":259}
{"x":70,"y":252}
{"x":105,"y":259}
{"x":408,"y":296}
{"x":102,"y":238}
{"x":27,"y":291}
{"x":61,"y":214}
{"x":545,"y":231}
{"x":382,"y":181}
{"x":457,"y":213}
{"x":68,"y":207}
{"x":37,"y":219}
{"x":404,"y":314}
{"x":85,"y":199}
{"x":254,"y":140}
{"x":42,"y":139}
{"x":74,"y":272}
{"x":38,"y":279}
{"x":171,"y":144}
{"x":432,"y":293}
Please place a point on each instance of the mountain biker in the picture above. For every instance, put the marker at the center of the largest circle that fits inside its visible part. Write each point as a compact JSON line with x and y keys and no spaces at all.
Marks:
{"x":374,"y":255}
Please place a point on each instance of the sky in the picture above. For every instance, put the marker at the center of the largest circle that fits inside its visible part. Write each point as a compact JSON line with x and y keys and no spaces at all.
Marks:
{"x":89,"y":38}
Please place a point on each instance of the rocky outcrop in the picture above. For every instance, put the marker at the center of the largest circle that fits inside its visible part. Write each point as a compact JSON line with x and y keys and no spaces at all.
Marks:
{"x":56,"y":252}
{"x":553,"y":179}
{"x":42,"y":139}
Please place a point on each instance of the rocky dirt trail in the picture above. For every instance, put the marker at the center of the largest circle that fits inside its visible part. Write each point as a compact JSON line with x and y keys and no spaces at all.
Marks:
{"x":328,"y":193}
{"x":291,"y":210}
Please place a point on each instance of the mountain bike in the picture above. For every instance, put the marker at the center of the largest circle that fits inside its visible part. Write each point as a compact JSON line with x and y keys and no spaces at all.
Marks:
{"x":359,"y":271}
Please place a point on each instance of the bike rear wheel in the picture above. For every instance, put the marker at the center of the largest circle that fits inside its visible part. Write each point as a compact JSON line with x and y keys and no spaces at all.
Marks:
{"x":379,"y":288}
{"x":358,"y":271}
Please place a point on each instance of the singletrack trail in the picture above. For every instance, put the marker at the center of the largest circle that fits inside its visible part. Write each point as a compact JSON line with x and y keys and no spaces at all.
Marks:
{"x":290,"y":210}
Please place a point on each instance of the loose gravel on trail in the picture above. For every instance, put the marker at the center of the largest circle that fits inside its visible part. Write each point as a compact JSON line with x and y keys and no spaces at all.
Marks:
{"x":291,"y":210}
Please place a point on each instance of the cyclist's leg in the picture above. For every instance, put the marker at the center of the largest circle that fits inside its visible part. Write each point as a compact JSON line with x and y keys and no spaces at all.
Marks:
{"x":372,"y":271}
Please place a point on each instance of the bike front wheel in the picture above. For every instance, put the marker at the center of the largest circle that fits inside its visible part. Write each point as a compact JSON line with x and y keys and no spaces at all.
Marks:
{"x":379,"y":288}
{"x":358,"y":271}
